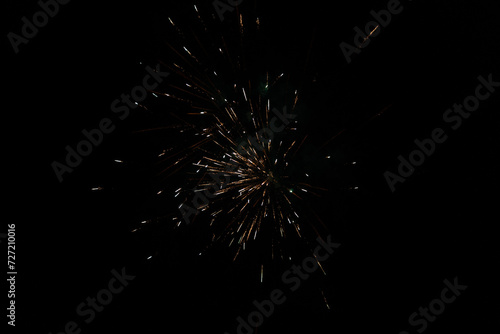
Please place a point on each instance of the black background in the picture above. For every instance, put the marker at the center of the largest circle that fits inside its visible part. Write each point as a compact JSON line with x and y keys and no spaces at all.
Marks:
{"x":397,"y":248}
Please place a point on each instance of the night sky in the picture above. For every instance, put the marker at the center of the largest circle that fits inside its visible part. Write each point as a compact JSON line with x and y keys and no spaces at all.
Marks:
{"x":397,"y":247}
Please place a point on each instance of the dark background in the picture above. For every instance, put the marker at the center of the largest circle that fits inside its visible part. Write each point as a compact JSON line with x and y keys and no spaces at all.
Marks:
{"x":397,"y":248}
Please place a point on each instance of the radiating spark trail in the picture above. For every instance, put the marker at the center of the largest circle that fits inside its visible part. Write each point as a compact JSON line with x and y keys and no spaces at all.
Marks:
{"x":368,"y":37}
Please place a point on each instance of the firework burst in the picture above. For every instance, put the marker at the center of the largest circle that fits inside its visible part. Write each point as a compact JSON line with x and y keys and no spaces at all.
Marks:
{"x":236,"y":125}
